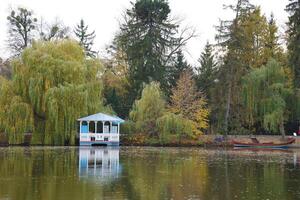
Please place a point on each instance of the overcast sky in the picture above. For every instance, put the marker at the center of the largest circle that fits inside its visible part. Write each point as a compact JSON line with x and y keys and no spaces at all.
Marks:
{"x":103,"y":17}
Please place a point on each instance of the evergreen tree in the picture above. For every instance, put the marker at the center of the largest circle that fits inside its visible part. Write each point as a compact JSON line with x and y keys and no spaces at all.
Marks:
{"x":115,"y":82}
{"x":113,"y":99}
{"x":293,"y":40}
{"x":273,"y":49}
{"x":293,"y":8}
{"x":85,"y":39}
{"x":21,"y":25}
{"x":231,"y":37}
{"x":179,"y":66}
{"x":254,"y":30}
{"x":148,"y":37}
{"x":207,"y":71}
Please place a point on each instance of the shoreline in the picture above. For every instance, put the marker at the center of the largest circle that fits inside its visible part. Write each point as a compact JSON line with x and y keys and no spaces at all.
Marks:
{"x":204,"y":141}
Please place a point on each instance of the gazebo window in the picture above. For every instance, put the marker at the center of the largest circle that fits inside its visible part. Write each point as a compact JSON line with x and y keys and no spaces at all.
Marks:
{"x":106,"y":127}
{"x":114,"y":128}
{"x":92,"y":127}
{"x":99,"y":127}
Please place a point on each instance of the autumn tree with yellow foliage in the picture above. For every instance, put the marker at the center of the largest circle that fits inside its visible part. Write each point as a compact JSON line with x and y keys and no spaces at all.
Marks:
{"x":187,"y":101}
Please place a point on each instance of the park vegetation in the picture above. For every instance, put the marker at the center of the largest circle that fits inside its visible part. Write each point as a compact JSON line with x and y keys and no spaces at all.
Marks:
{"x":246,"y":82}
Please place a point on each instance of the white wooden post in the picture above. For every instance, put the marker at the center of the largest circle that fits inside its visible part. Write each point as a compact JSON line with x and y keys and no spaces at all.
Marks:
{"x":102,"y":126}
{"x":118,"y":131}
{"x":110,"y":128}
{"x":80,"y":124}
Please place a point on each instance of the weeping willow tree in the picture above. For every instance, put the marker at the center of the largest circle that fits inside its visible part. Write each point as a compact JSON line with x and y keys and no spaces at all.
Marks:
{"x":266,"y":91}
{"x":148,"y":109}
{"x":171,"y":124}
{"x":60,"y":85}
{"x":16,"y":116}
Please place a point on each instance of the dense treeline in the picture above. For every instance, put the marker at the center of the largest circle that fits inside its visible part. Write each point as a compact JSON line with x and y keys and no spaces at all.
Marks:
{"x":245,"y":83}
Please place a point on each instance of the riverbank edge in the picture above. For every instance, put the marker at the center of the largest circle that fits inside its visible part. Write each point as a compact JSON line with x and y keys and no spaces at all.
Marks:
{"x":204,"y":141}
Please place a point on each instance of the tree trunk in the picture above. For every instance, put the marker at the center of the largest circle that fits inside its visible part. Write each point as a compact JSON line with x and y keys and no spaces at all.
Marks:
{"x":227,"y":110}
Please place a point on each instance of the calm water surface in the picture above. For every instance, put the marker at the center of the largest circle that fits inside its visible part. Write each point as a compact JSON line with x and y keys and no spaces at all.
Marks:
{"x":148,"y":173}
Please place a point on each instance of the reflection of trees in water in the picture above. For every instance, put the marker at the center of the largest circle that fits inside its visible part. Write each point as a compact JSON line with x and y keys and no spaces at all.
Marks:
{"x":44,"y":173}
{"x":165,"y":175}
{"x":218,"y":175}
{"x":147,"y":173}
{"x":252,"y":176}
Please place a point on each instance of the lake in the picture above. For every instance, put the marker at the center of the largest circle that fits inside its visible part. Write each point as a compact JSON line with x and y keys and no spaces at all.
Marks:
{"x":148,"y":173}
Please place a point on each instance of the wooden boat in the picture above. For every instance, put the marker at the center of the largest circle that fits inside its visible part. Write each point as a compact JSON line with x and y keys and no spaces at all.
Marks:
{"x":256,"y":144}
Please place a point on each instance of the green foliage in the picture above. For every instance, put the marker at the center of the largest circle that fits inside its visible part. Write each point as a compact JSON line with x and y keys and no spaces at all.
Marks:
{"x":207,"y":71}
{"x":293,"y":8}
{"x":179,"y":65}
{"x":116,"y":85}
{"x":149,"y":117}
{"x":230,"y":39}
{"x":20,"y":31}
{"x":266,"y":91}
{"x":64,"y":103}
{"x":174,"y":125}
{"x":293,"y":39}
{"x":148,"y":109}
{"x":60,"y":85}
{"x":191,"y":104}
{"x":86,"y":40}
{"x":16,"y":116}
{"x":128,"y":128}
{"x":247,"y":41}
{"x":148,"y":38}
{"x":272,"y":48}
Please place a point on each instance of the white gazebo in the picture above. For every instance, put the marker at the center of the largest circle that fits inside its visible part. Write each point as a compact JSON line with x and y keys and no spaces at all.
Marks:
{"x":99,"y":129}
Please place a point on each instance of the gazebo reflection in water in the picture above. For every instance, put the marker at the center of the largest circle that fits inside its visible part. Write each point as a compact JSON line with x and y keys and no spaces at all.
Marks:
{"x":101,"y":164}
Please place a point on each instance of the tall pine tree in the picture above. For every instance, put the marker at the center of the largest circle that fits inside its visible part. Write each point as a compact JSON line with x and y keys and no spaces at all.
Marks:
{"x":230,"y":38}
{"x":85,"y":39}
{"x":149,"y":38}
{"x":293,"y":8}
{"x":207,"y":71}
{"x":179,"y":66}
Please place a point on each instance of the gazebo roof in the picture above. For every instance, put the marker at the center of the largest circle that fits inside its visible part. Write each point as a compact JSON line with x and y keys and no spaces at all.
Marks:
{"x":102,"y":117}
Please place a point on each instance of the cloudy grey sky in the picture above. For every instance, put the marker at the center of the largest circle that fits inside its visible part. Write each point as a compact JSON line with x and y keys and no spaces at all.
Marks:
{"x":103,"y":17}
